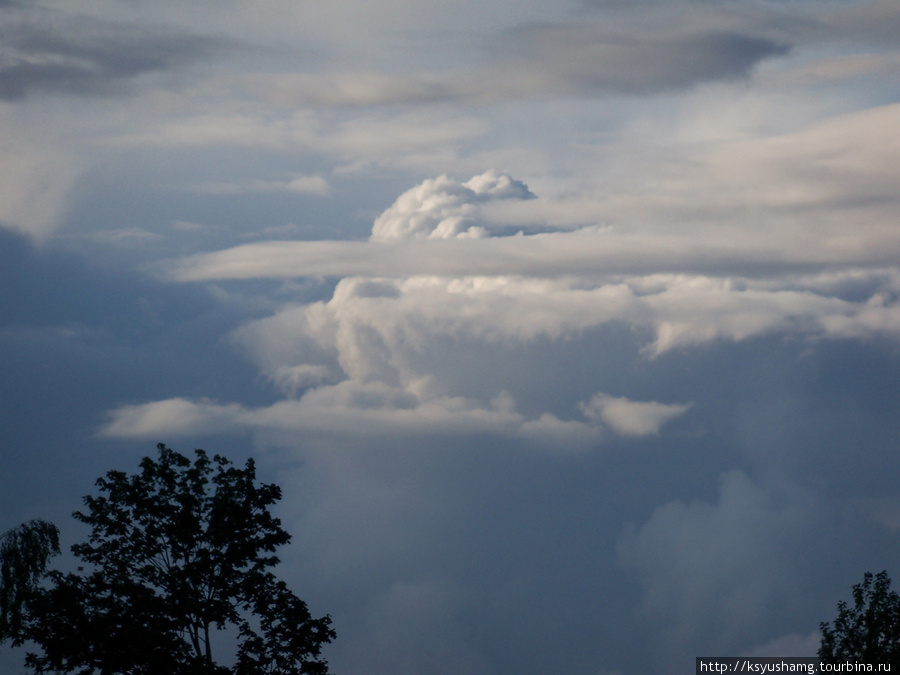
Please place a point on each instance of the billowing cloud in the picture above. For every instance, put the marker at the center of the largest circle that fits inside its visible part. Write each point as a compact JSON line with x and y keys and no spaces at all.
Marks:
{"x":356,"y":411}
{"x":372,"y":354}
{"x":444,"y":209}
{"x":403,"y":316}
{"x":555,"y":284}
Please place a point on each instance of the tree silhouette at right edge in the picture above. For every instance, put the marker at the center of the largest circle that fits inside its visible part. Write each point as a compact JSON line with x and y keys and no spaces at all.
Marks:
{"x":869,"y":631}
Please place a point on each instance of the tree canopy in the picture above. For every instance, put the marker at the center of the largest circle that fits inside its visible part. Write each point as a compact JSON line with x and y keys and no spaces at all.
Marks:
{"x":24,"y":553}
{"x":178,"y":551}
{"x":869,"y":631}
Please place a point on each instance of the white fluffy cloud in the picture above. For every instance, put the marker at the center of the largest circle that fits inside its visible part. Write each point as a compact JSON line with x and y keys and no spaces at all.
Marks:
{"x":443,"y":208}
{"x":358,"y":411}
{"x":376,"y":327}
{"x":177,"y":416}
{"x":371,"y":357}
{"x":632,"y":418}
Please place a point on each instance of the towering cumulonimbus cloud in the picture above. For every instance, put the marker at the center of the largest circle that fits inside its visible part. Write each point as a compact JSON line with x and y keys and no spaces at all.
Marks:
{"x":378,"y":348}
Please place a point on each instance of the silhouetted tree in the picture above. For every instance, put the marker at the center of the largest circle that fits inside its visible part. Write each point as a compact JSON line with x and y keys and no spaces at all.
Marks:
{"x":24,"y":553}
{"x":868,"y":632}
{"x":176,"y":552}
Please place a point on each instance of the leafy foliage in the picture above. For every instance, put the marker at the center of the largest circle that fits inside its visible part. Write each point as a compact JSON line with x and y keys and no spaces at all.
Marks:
{"x":24,"y":553}
{"x":868,"y":632}
{"x":177,"y":551}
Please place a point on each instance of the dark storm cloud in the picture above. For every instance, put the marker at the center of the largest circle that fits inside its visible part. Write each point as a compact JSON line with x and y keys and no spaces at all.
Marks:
{"x":52,"y":52}
{"x":75,"y":340}
{"x":726,"y":551}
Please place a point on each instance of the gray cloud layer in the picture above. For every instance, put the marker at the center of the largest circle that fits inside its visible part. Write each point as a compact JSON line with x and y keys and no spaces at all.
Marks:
{"x":591,"y":58}
{"x":50,"y":51}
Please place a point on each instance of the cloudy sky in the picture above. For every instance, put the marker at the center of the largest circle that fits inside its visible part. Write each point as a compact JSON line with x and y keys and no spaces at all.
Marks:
{"x":571,"y":330}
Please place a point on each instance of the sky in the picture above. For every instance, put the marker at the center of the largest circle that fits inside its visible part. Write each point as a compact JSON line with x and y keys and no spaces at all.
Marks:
{"x":570,"y":330}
